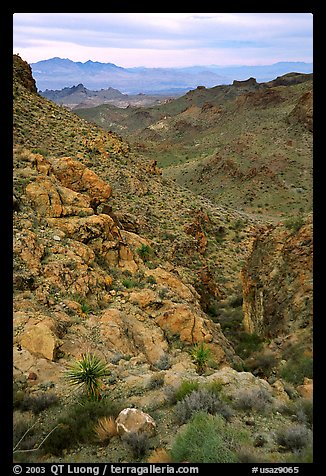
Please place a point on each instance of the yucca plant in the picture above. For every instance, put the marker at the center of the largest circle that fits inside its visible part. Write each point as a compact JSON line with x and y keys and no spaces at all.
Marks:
{"x":200,"y":355}
{"x":88,"y":372}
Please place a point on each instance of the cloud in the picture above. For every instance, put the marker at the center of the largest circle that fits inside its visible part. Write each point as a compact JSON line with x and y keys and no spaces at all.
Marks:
{"x":164,"y":39}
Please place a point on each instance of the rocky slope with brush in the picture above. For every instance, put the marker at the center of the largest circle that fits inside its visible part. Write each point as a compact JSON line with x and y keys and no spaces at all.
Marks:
{"x":112,"y":258}
{"x":247,"y":145}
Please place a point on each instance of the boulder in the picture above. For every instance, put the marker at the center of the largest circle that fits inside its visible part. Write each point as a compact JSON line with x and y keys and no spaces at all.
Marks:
{"x":41,"y":341}
{"x":145,"y":298}
{"x":125,"y":334}
{"x":306,"y":389}
{"x":167,"y":279}
{"x":132,"y":420}
{"x":78,"y":177}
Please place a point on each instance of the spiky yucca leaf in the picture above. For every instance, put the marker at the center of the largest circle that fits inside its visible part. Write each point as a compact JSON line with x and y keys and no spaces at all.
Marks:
{"x":88,"y":371}
{"x":200,"y":355}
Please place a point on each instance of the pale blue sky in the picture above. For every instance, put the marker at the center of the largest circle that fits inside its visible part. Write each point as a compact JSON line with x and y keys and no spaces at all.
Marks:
{"x":165,"y":39}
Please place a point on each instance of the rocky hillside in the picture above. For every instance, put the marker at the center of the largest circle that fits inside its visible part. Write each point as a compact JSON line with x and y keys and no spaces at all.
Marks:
{"x":247,"y":145}
{"x":113,"y":259}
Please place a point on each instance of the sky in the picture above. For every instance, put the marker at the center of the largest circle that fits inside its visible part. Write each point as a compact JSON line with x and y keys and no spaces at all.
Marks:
{"x":165,"y":39}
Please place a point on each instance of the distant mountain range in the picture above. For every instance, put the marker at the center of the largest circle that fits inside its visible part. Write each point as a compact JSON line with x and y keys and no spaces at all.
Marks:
{"x":58,"y":73}
{"x":81,"y":97}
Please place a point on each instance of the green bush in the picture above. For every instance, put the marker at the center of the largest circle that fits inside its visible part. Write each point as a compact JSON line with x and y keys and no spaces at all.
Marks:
{"x":184,"y":389}
{"x":145,"y":252}
{"x":208,"y":439}
{"x":215,"y":386}
{"x":294,"y":223}
{"x":248,"y":344}
{"x":130,"y":283}
{"x":296,"y":369}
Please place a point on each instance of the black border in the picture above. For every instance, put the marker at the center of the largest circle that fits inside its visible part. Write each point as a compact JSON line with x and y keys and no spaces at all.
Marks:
{"x":7,"y":227}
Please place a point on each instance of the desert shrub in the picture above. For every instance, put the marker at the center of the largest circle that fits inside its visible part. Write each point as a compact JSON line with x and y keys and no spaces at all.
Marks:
{"x":38,"y":403}
{"x":137,"y":442}
{"x":301,"y":410}
{"x":304,"y":455}
{"x":229,"y":316}
{"x":257,"y":399}
{"x":213,"y":309}
{"x":238,"y":224}
{"x":262,"y":363}
{"x":145,"y":252}
{"x":151,"y":280}
{"x":249,"y":455}
{"x":22,"y":422}
{"x":236,"y":301}
{"x":77,"y":424}
{"x":293,"y":437}
{"x":296,"y":369}
{"x":105,"y":428}
{"x":156,"y":381}
{"x":130,"y":283}
{"x":304,"y":411}
{"x":208,"y":439}
{"x":163,"y":363}
{"x":159,"y":455}
{"x":215,"y":386}
{"x":201,"y":400}
{"x":247,"y":344}
{"x":185,"y":388}
{"x":294,"y":223}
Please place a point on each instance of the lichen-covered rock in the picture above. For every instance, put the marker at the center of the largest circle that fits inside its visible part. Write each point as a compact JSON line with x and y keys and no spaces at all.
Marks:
{"x":29,"y":249}
{"x":76,"y":176}
{"x":169,"y":280}
{"x":145,"y":298}
{"x":132,"y":420}
{"x":189,"y":324}
{"x":124,"y":333}
{"x":53,"y":200}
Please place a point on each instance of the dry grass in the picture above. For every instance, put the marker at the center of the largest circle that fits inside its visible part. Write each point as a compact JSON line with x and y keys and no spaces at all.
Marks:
{"x":105,"y":429}
{"x":159,"y":455}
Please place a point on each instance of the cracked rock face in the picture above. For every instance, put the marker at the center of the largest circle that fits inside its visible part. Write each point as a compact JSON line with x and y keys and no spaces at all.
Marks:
{"x":277,"y":282}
